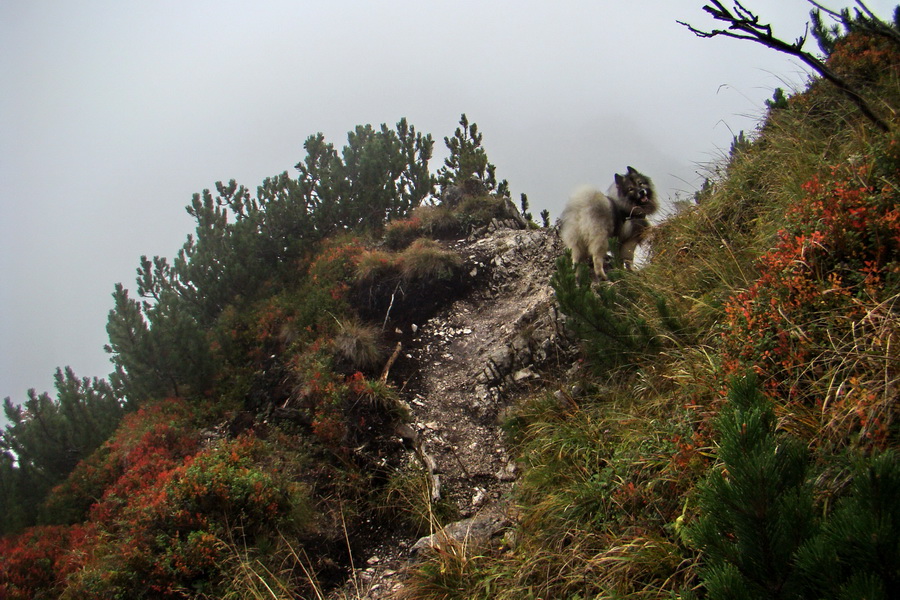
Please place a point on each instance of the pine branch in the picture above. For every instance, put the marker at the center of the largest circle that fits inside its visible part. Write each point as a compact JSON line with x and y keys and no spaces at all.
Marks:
{"x":834,"y":14}
{"x":869,"y":23}
{"x":867,"y":10}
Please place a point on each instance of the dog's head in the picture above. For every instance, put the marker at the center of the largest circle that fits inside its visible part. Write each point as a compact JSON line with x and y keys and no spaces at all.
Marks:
{"x":637,"y":189}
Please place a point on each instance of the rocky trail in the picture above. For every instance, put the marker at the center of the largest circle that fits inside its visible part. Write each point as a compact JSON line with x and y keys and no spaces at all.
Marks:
{"x":466,"y":366}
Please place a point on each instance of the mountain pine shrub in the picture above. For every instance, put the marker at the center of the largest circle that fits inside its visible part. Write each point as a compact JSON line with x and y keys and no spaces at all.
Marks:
{"x":759,"y":528}
{"x":611,"y":319}
{"x":857,"y":552}
{"x":756,"y":508}
{"x":468,"y":161}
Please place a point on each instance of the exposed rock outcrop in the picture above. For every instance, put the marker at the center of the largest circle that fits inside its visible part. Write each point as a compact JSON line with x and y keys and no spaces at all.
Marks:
{"x":464,"y":367}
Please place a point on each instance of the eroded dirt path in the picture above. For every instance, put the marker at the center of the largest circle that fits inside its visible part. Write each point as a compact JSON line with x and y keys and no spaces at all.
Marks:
{"x":468,"y":364}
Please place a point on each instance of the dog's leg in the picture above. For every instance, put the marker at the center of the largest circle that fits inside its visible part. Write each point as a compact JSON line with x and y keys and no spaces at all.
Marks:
{"x":598,"y":249}
{"x":633,"y":233}
{"x":628,"y":248}
{"x":579,"y":254}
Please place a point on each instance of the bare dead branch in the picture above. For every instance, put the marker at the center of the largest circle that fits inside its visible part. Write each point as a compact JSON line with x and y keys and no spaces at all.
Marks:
{"x":390,"y":363}
{"x":745,"y":25}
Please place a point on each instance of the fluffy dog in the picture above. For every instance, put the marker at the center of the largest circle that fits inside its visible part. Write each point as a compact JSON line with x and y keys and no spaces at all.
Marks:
{"x":591,"y":218}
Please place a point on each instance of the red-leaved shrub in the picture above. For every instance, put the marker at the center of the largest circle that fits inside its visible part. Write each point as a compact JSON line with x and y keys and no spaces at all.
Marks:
{"x":816,"y":326}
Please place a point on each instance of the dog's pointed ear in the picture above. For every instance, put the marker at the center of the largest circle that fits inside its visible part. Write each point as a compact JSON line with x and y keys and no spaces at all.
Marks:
{"x":631,"y":170}
{"x":619,"y":179}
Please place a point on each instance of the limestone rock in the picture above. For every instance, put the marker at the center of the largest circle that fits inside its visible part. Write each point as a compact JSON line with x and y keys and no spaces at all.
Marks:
{"x":472,"y":532}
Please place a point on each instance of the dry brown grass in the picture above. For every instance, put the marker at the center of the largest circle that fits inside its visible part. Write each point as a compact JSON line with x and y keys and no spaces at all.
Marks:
{"x":425,"y":261}
{"x":357,"y":347}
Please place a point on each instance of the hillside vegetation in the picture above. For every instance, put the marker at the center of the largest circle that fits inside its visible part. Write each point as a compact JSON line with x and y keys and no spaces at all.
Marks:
{"x":737,"y":435}
{"x":731,"y":433}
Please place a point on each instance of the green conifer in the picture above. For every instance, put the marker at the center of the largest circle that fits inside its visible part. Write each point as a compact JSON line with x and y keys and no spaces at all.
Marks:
{"x":603,"y":316}
{"x":545,"y":218}
{"x":468,"y":161}
{"x":46,"y":437}
{"x":757,"y":528}
{"x":857,"y":552}
{"x":756,"y":506}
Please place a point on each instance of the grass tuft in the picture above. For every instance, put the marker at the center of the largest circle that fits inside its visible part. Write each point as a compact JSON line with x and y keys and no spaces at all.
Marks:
{"x":426,"y":262}
{"x":357,"y":347}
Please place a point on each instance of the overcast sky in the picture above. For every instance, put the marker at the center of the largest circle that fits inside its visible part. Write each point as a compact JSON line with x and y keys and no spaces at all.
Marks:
{"x":114,"y":112}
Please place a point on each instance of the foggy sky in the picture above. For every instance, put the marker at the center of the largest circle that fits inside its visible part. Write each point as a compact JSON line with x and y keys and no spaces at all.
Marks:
{"x":113,"y":113}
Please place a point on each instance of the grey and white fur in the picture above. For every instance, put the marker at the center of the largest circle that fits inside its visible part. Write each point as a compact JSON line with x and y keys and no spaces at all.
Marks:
{"x":591,"y":218}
